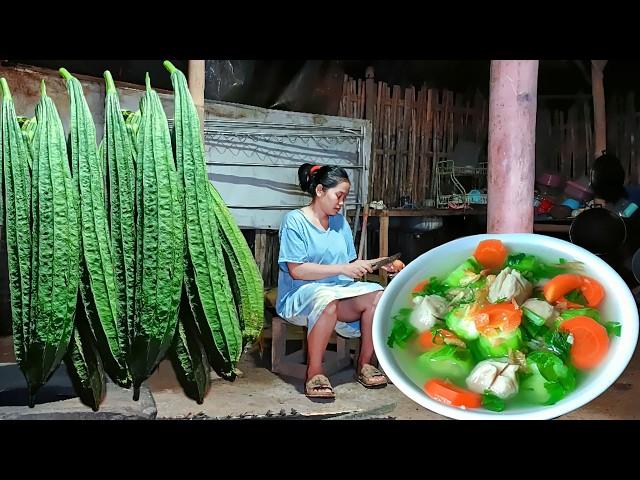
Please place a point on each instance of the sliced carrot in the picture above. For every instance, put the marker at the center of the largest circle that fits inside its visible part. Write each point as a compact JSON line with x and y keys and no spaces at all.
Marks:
{"x":428,"y":341}
{"x":418,"y":288}
{"x":590,"y":341}
{"x":491,"y":253}
{"x":449,"y":394}
{"x":592,"y":290}
{"x":504,"y":316}
{"x":560,"y":285}
{"x":556,"y":288}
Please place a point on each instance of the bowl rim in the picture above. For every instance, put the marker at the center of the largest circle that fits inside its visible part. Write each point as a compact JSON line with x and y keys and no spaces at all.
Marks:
{"x":624,"y":351}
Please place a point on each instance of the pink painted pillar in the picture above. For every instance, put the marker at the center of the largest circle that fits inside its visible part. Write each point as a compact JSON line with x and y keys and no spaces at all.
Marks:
{"x":512,"y":141}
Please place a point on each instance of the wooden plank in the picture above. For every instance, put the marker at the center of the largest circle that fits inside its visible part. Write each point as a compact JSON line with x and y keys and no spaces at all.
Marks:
{"x":435,"y":130}
{"x":565,"y":162}
{"x":386,"y":145}
{"x":370,"y":114}
{"x":363,"y":233}
{"x":343,"y":97}
{"x":580,"y":160}
{"x":630,"y":118}
{"x":278,"y":343}
{"x":571,"y":124}
{"x":406,"y":180}
{"x":544,"y":146}
{"x":362,"y":99}
{"x":261,"y":251}
{"x":412,"y":167}
{"x":196,"y":76}
{"x":379,"y":142}
{"x":354,"y":96}
{"x":393,"y":171}
{"x":588,"y":133}
{"x":426,"y":212}
{"x":479,"y":106}
{"x":449,"y":122}
{"x":428,"y":152}
{"x":421,"y":114}
{"x":417,"y":138}
{"x":612,"y":122}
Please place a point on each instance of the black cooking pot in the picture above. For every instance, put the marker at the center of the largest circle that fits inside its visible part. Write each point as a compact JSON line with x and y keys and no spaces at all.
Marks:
{"x":598,"y":230}
{"x":635,"y":265}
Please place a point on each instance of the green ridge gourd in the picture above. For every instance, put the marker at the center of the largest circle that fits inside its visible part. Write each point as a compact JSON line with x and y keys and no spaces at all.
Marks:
{"x":159,"y":242}
{"x":97,"y":284}
{"x":207,"y":285}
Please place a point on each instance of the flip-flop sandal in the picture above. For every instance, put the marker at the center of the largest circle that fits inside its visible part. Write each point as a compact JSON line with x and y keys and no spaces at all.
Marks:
{"x":368,"y":375}
{"x":319,"y":387}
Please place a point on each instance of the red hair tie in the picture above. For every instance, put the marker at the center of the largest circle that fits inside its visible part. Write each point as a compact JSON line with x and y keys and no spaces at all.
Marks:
{"x":314,"y":168}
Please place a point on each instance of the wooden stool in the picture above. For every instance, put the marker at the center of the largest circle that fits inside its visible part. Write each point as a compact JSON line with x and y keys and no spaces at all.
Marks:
{"x":294,"y":364}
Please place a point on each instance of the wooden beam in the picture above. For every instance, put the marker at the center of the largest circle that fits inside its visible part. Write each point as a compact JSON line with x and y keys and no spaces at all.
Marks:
{"x":599,"y":112}
{"x":196,"y":87}
{"x":512,"y":130}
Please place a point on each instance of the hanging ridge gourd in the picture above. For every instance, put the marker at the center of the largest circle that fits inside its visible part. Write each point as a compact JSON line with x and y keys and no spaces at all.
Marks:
{"x":159,"y":242}
{"x":28,"y":127}
{"x":242,"y":269}
{"x":17,"y":179}
{"x":56,"y":249}
{"x":97,"y":283}
{"x":84,"y":365}
{"x":207,"y":285}
{"x":132,"y":122}
{"x":118,"y":154}
{"x":188,"y":357}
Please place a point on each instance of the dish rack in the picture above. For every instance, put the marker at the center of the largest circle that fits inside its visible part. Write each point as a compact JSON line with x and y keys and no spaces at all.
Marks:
{"x":458,"y":187}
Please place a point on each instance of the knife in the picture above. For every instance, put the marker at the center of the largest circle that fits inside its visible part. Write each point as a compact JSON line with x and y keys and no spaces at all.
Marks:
{"x":385,"y":261}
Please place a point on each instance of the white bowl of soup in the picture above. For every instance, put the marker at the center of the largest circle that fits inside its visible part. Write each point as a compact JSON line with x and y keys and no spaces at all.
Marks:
{"x":500,"y":350}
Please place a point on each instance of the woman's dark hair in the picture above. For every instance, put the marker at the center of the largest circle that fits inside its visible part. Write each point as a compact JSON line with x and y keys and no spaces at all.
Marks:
{"x":607,"y":178}
{"x":327,"y":176}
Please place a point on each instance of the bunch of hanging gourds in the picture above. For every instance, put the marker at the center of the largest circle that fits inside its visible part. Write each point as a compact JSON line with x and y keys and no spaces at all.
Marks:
{"x":121,"y":254}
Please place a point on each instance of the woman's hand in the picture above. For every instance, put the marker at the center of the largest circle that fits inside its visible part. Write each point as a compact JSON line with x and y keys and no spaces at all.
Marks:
{"x":357,"y":269}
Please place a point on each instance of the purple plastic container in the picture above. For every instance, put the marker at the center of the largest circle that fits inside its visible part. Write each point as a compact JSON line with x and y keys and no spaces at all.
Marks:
{"x":578,"y":191}
{"x":549,"y":180}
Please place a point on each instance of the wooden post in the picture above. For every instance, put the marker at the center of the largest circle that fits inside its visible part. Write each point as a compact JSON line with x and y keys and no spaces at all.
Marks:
{"x":599,"y":113}
{"x":196,"y":87}
{"x":512,"y":128}
{"x":384,"y":244}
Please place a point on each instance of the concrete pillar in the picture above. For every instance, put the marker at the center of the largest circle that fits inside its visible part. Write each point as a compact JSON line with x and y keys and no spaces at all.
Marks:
{"x":512,"y":130}
{"x":196,"y":78}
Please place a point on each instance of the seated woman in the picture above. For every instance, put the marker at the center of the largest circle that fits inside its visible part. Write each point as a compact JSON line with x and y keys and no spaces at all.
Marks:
{"x":317,"y":272}
{"x":608,"y":182}
{"x":607,"y":177}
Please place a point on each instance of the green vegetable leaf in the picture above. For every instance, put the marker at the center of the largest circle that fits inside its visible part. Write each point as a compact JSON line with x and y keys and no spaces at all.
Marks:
{"x":587,"y":312}
{"x":434,"y":287}
{"x":534,"y":269}
{"x":576,"y":296}
{"x":557,"y":342}
{"x":492,"y":402}
{"x":556,"y":392}
{"x":613,"y":328}
{"x":533,"y":317}
{"x":402,"y":330}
